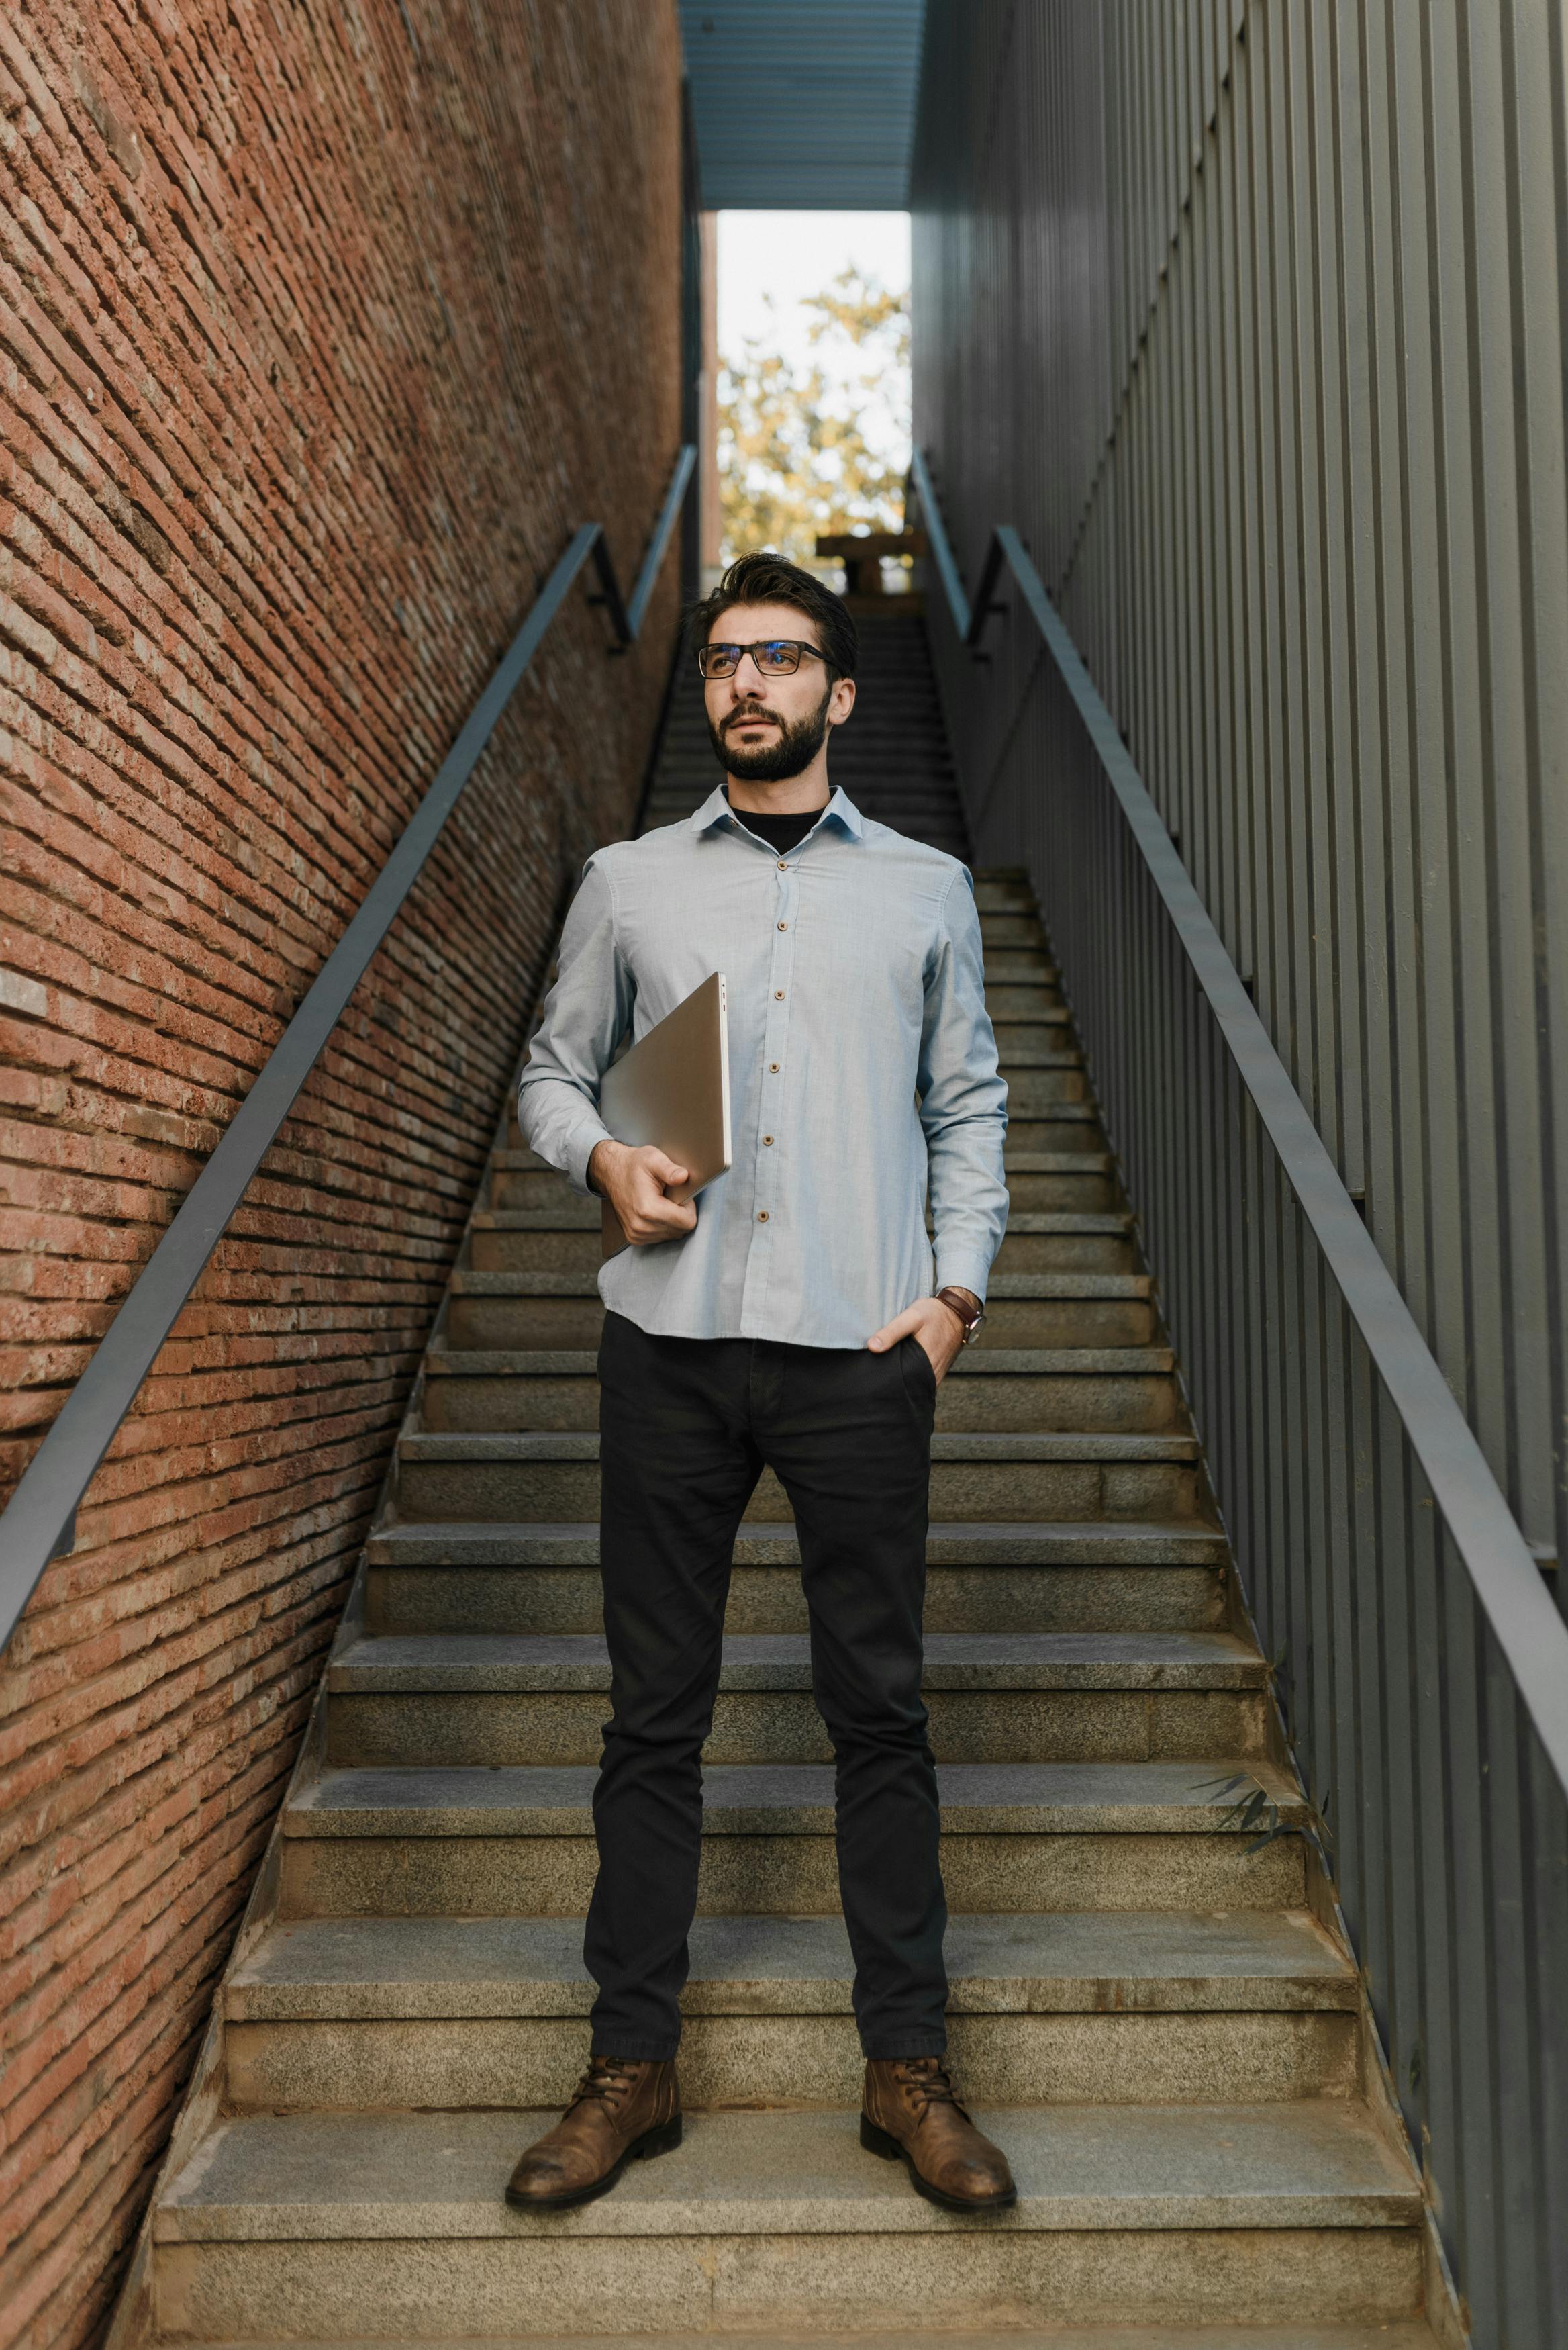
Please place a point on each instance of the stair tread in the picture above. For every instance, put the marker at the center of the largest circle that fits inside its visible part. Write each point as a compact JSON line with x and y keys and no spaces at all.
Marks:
{"x":1066,"y":1286}
{"x":582,"y":1444}
{"x":1023,"y":1362}
{"x":575,"y":1213}
{"x":787,"y":1798}
{"x":308,"y":2176}
{"x":572,"y":1213}
{"x":782,"y":1660}
{"x":1037,"y":1163}
{"x":1410,"y":2333}
{"x":1000,"y":1543}
{"x":1052,"y":1962}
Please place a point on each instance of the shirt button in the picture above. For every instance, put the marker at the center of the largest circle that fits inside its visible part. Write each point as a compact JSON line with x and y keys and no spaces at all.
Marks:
{"x":767,"y":1137}
{"x":784,"y":926}
{"x":782,"y":867}
{"x":778,"y":995}
{"x":773,"y":1068}
{"x":762,"y":1215}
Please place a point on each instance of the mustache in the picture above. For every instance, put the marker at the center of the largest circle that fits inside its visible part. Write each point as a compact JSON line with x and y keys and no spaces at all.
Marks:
{"x":750,"y":715}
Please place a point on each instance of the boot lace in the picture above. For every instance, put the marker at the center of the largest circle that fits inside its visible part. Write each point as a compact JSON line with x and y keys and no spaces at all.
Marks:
{"x":928,"y":2078}
{"x":605,"y":2081}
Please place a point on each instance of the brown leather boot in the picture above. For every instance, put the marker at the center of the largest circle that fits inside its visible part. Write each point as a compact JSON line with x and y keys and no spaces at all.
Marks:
{"x":910,"y":2113}
{"x":620,"y":2110}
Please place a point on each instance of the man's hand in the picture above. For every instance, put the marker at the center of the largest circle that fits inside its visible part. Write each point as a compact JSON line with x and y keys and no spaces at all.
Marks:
{"x":634,"y":1183}
{"x":935,"y":1326}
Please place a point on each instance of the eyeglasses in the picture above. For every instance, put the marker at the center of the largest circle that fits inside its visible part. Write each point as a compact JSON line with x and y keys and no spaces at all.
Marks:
{"x":774,"y":657}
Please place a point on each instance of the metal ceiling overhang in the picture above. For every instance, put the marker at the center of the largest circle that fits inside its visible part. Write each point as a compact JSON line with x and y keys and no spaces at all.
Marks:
{"x":804,"y":105}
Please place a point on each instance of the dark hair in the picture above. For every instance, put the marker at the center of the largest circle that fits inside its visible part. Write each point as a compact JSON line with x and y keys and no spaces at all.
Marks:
{"x":773,"y":579}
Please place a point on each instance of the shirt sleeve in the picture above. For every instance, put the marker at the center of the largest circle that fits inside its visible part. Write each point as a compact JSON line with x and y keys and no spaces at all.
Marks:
{"x":963,"y":1102}
{"x":587,"y":1013}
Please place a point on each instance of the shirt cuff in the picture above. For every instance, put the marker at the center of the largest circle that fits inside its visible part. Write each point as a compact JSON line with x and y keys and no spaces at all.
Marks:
{"x":584,"y":1141}
{"x":571,"y":1155}
{"x":960,"y":1269}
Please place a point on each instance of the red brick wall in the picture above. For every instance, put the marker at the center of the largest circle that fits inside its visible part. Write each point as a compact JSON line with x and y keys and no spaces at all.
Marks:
{"x":319,"y":330}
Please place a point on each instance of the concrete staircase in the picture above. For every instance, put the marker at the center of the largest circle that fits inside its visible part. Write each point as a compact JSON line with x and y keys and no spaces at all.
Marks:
{"x":1151,"y":2014}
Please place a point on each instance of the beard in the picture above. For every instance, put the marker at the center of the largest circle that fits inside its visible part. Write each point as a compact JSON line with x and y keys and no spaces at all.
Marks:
{"x":776,"y":762}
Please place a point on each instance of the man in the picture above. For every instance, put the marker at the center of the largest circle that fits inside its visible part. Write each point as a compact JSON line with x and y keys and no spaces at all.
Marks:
{"x":791,"y":1315}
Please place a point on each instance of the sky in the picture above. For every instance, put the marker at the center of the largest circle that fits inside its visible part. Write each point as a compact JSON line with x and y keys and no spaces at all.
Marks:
{"x":792,"y":255}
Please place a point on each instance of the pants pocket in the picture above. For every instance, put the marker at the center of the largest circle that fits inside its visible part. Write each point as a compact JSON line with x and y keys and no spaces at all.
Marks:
{"x":920,"y":1374}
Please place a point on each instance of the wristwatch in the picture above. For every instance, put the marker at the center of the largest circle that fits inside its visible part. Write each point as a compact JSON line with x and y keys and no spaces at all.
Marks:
{"x":971,"y":1315}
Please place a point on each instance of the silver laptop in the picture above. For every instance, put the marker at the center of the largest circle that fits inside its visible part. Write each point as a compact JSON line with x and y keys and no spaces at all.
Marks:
{"x":672,"y":1089}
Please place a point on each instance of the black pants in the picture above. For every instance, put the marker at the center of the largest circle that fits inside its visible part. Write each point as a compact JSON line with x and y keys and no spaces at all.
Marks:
{"x":685,"y":1426}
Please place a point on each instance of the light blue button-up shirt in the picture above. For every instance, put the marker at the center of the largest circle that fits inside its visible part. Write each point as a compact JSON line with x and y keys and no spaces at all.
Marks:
{"x":862,"y":1070}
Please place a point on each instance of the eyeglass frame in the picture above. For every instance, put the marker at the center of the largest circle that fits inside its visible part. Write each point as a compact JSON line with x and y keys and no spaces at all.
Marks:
{"x":798,"y":643}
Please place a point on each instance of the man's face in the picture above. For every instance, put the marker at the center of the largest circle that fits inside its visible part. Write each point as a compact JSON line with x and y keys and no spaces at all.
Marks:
{"x":766,"y":729}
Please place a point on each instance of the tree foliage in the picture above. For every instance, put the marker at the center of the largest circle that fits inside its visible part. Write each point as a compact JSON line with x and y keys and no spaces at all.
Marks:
{"x":822,"y":447}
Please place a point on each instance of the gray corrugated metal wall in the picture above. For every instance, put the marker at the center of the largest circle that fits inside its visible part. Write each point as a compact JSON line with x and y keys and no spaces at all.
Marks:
{"x":1251,"y":317}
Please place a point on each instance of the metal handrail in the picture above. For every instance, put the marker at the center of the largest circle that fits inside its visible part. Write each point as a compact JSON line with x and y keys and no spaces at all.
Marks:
{"x":39,"y":1521}
{"x":1531,"y":1635}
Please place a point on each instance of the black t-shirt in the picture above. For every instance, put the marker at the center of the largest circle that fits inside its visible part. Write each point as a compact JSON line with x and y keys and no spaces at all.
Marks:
{"x":782,"y":833}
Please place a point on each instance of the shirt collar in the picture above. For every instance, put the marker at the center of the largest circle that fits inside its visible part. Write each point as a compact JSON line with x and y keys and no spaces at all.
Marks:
{"x":716,"y":809}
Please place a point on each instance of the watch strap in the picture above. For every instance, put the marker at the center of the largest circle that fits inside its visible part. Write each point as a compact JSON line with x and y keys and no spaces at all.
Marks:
{"x":969,"y":1314}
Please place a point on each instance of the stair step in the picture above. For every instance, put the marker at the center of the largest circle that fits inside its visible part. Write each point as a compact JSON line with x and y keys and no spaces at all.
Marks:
{"x":1139,"y":1961}
{"x":1027,"y":1044}
{"x":1001,"y":1388}
{"x":1112,"y":1835}
{"x":1101,"y":1545}
{"x":570,"y":1213}
{"x":476,"y":1841}
{"x":518,"y":1474}
{"x":1413,"y":2334}
{"x":773,"y":1661}
{"x":574,"y":1214}
{"x":275,"y":2217}
{"x":563,"y":1236}
{"x":1037,"y":1799}
{"x":1150,"y":2009}
{"x":975,"y":1362}
{"x":1013,"y":966}
{"x":1038,"y":1162}
{"x":1016,"y":1050}
{"x":1065,"y":1287}
{"x":562,"y":1309}
{"x":582,"y":1444}
{"x":494,"y":1396}
{"x":464,"y":1576}
{"x":495,"y":1698}
{"x":379,"y":2177}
